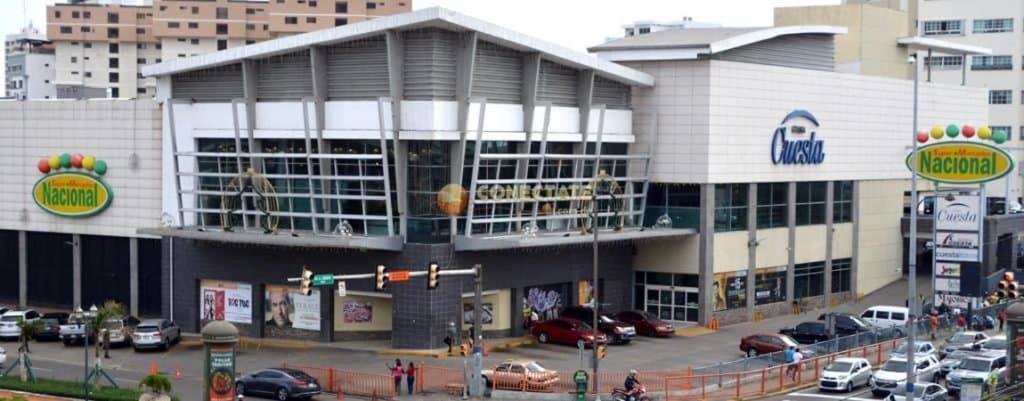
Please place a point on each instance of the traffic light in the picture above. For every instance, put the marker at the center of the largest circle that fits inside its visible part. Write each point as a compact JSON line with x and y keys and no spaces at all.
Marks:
{"x":433,"y":276}
{"x":601,"y":351}
{"x":382,"y":277}
{"x":306,"y":281}
{"x":1007,"y":287}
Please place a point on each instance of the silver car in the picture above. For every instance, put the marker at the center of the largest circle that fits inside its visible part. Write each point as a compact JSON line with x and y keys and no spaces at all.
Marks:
{"x":845,"y":374}
{"x":156,"y":333}
{"x":977,"y":367}
{"x":922,"y":392}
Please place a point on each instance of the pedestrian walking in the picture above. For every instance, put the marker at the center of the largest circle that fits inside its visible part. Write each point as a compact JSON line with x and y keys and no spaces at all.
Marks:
{"x":797,"y":358}
{"x":1002,"y":319}
{"x":933,"y":322}
{"x":789,"y":354}
{"x":527,"y":314}
{"x":961,"y":322}
{"x":396,"y":374}
{"x":410,"y":377}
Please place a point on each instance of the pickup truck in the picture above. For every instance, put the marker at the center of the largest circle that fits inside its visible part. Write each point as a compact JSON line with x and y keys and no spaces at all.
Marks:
{"x":74,"y":331}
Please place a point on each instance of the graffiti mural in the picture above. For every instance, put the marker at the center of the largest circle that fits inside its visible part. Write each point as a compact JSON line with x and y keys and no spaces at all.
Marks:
{"x":546,"y":302}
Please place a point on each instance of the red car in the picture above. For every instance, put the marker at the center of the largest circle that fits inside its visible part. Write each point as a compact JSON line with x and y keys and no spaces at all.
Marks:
{"x":757,"y":344}
{"x":646,"y":323}
{"x":566,"y":331}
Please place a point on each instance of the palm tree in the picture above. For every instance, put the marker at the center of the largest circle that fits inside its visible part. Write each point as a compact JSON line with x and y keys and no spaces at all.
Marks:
{"x":28,"y":331}
{"x":157,"y":388}
{"x":110,"y":310}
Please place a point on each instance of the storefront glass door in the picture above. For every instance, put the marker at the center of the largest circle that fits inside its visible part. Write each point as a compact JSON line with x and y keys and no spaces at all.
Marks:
{"x":677,"y":304}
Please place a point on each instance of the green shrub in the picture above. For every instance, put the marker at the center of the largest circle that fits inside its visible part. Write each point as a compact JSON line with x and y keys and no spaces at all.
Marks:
{"x":70,"y":389}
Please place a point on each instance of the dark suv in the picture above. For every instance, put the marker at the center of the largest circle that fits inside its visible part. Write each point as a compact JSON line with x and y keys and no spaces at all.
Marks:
{"x":846,"y":324}
{"x":618,"y":332}
{"x":807,"y":332}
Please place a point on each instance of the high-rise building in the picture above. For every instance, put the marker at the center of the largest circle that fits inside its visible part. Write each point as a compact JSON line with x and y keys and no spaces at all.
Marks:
{"x":29,"y":61}
{"x":100,"y":46}
{"x":646,"y":27}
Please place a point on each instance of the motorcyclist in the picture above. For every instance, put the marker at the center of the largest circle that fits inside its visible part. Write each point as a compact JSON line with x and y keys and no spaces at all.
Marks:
{"x":632,"y":385}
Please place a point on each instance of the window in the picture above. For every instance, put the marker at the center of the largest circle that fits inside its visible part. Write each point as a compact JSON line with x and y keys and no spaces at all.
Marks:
{"x":730,"y":207}
{"x":142,"y":91}
{"x":88,"y":74}
{"x":113,"y":47}
{"x":250,"y":27}
{"x":340,"y":21}
{"x":195,"y":10}
{"x":810,"y":203}
{"x":87,"y":14}
{"x":291,"y":20}
{"x":681,"y":202}
{"x":112,"y":33}
{"x":1000,"y":97}
{"x":222,"y":29}
{"x":56,"y":13}
{"x":65,"y":29}
{"x":140,"y":31}
{"x":250,"y":11}
{"x":140,"y":61}
{"x":842,"y":202}
{"x":74,"y":59}
{"x":944,"y":62}
{"x":222,"y":44}
{"x":644,"y":30}
{"x":310,"y":20}
{"x":173,"y":25}
{"x":1005,"y":128}
{"x":250,"y":41}
{"x":193,"y":25}
{"x":770,"y":285}
{"x":841,"y":275}
{"x":159,"y":46}
{"x":87,"y":45}
{"x":772,"y":204}
{"x":993,"y":25}
{"x":194,"y":41}
{"x":182,"y":40}
{"x":222,"y":13}
{"x":115,"y":77}
{"x":312,"y":4}
{"x":992,"y":63}
{"x":74,"y":72}
{"x":86,"y":29}
{"x":945,"y":27}
{"x":113,"y":62}
{"x":809,"y":280}
{"x":75,"y":14}
{"x":341,"y":7}
{"x":112,"y":18}
{"x":371,"y":6}
{"x":115,"y":92}
{"x":158,"y":60}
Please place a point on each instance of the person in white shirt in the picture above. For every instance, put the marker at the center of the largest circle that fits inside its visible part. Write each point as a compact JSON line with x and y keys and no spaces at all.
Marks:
{"x":797,"y":357}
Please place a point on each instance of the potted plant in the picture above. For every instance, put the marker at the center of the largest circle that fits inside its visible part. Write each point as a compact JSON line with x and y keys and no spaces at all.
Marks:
{"x":156,"y":388}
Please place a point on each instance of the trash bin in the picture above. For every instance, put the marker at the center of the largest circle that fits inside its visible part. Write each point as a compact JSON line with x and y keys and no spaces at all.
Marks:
{"x":582,"y":380}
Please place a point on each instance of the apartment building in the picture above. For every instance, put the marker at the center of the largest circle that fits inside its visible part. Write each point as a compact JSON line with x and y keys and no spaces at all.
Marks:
{"x":101,"y":46}
{"x":29,"y":65}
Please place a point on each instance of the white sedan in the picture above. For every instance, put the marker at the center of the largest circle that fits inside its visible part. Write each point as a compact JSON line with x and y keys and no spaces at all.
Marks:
{"x":844,"y":374}
{"x":3,"y":356}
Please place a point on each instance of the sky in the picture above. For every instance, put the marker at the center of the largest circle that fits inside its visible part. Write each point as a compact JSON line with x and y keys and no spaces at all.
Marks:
{"x":576,"y":24}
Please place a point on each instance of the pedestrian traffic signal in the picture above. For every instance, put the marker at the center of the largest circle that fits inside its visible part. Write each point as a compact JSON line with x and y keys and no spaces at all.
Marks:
{"x":306,"y":281}
{"x":601,"y":351}
{"x":433,"y":276}
{"x":382,"y":277}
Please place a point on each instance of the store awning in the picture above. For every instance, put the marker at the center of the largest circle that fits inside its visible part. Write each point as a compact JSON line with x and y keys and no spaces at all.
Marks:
{"x":287,"y":239}
{"x":514,"y":241}
{"x":942,"y":46}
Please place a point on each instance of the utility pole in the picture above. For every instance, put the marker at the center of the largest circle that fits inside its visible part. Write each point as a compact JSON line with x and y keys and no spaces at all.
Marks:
{"x":478,"y":342}
{"x":912,"y":301}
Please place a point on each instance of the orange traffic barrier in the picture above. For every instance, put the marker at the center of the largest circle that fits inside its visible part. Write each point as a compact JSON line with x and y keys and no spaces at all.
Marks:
{"x":153,"y":368}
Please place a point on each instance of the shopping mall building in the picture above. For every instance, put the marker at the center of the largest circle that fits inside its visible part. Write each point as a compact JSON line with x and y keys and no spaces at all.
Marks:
{"x":735,"y":173}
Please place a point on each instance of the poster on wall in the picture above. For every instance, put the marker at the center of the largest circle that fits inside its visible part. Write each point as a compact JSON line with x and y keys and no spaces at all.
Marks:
{"x":222,"y":300}
{"x":357,"y":312}
{"x":486,"y":318}
{"x":287,"y":308}
{"x":730,"y":290}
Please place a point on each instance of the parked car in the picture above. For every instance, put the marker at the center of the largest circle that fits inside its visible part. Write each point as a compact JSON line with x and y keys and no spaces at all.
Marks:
{"x":922,"y":348}
{"x":845,"y":374}
{"x":49,"y":331}
{"x":516,"y":371}
{"x":847,"y":324}
{"x":952,"y":360}
{"x":885,"y":316}
{"x":62,"y":317}
{"x":977,"y":367}
{"x":758,"y":344}
{"x":9,"y":329}
{"x":121,"y":329}
{"x":996,"y":343}
{"x":964,"y":340}
{"x":566,"y":331}
{"x":280,"y":384}
{"x":74,"y":330}
{"x":922,"y":392}
{"x":646,"y":323}
{"x":3,"y":356}
{"x":807,"y":332}
{"x":893,"y":374}
{"x":617,"y":332}
{"x":156,"y":333}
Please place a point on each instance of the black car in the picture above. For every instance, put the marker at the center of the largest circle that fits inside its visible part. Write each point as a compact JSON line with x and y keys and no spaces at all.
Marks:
{"x":279,"y":384}
{"x":617,"y":331}
{"x":807,"y":332}
{"x":49,"y":330}
{"x":847,"y":324}
{"x":62,"y":317}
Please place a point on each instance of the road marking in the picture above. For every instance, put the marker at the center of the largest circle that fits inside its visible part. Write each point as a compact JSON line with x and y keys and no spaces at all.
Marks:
{"x":42,"y":369}
{"x":832,"y":397}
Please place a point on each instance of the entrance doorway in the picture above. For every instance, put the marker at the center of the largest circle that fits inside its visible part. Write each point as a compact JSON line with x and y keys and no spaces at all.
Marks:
{"x":675,"y":304}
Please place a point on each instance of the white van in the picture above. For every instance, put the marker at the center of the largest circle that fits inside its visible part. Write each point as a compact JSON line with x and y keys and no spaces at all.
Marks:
{"x":885,"y":316}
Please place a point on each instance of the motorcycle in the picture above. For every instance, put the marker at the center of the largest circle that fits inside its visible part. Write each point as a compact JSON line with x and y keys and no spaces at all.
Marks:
{"x":640,"y":394}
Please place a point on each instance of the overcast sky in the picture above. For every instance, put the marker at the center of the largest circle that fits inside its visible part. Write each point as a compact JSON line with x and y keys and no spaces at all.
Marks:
{"x":576,"y":24}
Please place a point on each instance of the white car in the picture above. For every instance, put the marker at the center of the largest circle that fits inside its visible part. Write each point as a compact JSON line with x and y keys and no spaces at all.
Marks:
{"x":964,"y":340}
{"x":9,"y":329}
{"x":3,"y":356}
{"x":922,"y":392}
{"x":845,"y":374}
{"x":893,"y":375}
{"x":977,"y":367}
{"x":924,"y":348}
{"x":156,"y":333}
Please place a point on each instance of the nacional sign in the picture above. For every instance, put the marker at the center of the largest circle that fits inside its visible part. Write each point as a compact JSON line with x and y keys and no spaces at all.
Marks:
{"x":960,"y":162}
{"x":793,"y":144}
{"x":72,"y":193}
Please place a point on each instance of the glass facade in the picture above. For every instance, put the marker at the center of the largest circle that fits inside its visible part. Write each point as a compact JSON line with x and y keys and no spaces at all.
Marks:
{"x":809,"y":280}
{"x":810,"y":203}
{"x":680,"y":201}
{"x":770,"y":285}
{"x":772,"y":204}
{"x":842,"y":202}
{"x":730,"y":207}
{"x":841,"y":276}
{"x":429,"y":168}
{"x":670,"y":296}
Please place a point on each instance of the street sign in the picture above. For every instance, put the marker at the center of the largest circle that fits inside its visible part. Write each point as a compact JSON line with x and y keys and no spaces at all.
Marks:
{"x":323,"y":279}
{"x":398,"y":275}
{"x":341,"y":289}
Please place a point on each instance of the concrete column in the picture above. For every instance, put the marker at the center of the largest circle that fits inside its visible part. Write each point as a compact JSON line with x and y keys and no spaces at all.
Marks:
{"x":76,"y":270}
{"x":327,"y":313}
{"x":707,"y":253}
{"x":396,"y":82}
{"x":751,"y":249}
{"x":318,"y":63}
{"x":585,"y":98}
{"x":855,"y":215}
{"x":791,"y":223}
{"x":249,"y":87}
{"x":531,"y":77}
{"x":258,"y":308}
{"x":133,"y":276}
{"x":830,"y":196}
{"x":22,"y":269}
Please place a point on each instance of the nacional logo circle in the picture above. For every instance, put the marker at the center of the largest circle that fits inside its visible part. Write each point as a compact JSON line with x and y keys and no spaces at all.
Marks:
{"x":72,"y":185}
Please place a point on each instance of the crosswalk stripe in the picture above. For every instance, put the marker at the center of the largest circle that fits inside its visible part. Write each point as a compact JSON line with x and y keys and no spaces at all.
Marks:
{"x":831,"y":397}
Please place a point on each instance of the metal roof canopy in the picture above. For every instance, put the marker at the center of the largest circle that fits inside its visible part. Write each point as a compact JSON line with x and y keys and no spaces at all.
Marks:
{"x":691,"y":43}
{"x":383,"y":243}
{"x":514,"y":241}
{"x":942,"y":46}
{"x":435,"y":17}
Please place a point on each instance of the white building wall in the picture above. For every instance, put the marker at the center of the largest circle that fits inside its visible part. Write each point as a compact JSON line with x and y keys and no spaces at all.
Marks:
{"x":40,"y":71}
{"x":112,"y":130}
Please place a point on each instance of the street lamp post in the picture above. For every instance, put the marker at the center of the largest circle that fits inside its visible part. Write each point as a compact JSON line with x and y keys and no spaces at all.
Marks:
{"x":601,"y":184}
{"x":912,"y":302}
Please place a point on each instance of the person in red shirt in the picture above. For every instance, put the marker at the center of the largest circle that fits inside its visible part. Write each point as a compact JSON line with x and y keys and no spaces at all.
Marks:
{"x":410,"y":376}
{"x":1002,"y":319}
{"x":933,"y":322}
{"x":396,"y":374}
{"x":961,"y":321}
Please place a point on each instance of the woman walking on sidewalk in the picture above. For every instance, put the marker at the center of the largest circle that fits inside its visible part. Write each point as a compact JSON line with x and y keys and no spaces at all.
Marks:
{"x":396,"y":374}
{"x":410,"y":376}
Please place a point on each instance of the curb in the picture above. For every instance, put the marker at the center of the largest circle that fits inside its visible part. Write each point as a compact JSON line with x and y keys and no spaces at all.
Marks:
{"x":442,"y":353}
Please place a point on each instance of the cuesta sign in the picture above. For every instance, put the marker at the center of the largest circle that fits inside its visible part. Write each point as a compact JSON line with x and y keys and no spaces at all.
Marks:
{"x":72,"y":194}
{"x":790,"y":146}
{"x":961,"y":162}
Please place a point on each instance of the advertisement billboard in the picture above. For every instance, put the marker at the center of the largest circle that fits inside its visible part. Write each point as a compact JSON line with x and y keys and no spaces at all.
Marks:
{"x":225,"y":300}
{"x":287,"y":308}
{"x":957,"y":213}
